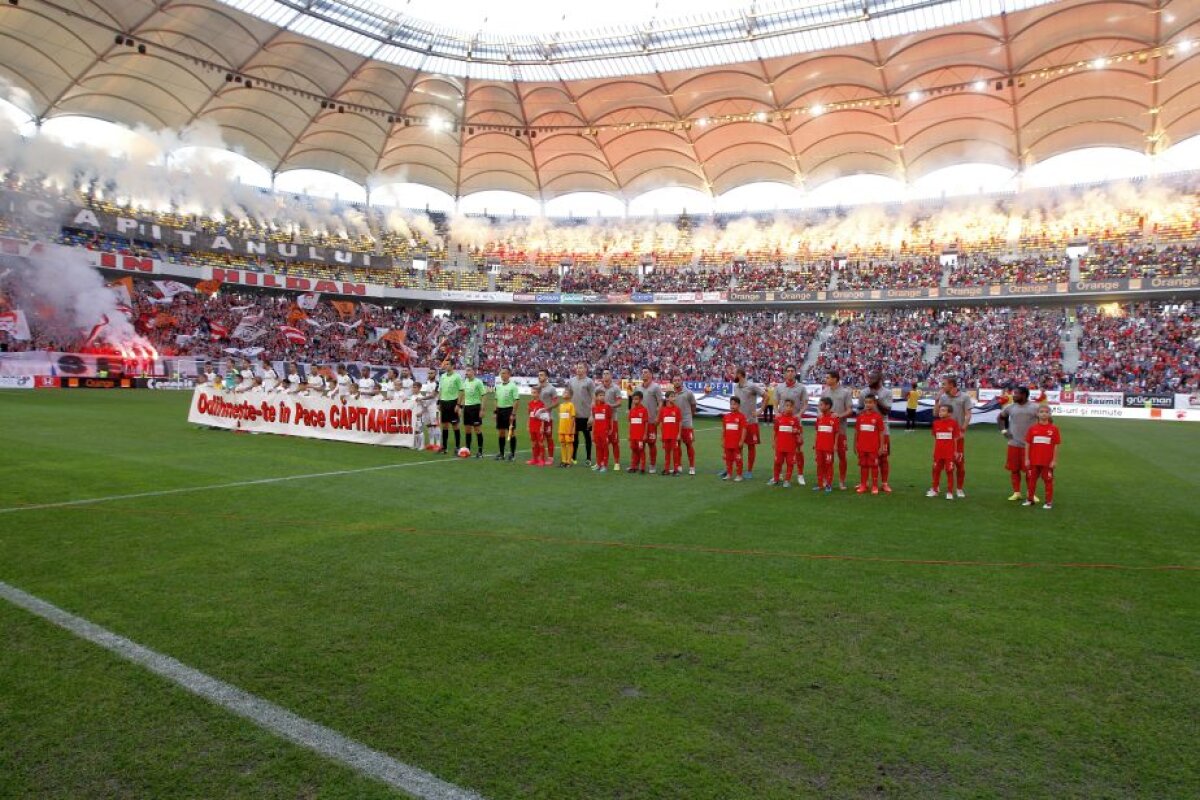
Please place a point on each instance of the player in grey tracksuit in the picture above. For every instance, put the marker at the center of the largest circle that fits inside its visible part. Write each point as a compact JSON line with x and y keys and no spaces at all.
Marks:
{"x":1015,"y":420}
{"x":652,"y":399}
{"x":797,"y":392}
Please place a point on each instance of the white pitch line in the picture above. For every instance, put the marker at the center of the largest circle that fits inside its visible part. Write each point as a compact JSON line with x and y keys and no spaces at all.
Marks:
{"x":272,"y":718}
{"x":209,"y":486}
{"x":87,"y":501}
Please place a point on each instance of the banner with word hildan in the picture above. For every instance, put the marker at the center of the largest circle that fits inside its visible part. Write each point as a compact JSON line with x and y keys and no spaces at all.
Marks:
{"x":392,"y":423}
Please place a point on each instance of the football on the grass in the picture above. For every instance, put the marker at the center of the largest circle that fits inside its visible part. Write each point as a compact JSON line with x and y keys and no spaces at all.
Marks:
{"x":464,"y":452}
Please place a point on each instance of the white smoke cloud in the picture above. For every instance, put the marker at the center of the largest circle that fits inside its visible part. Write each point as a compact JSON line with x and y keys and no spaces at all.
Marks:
{"x":64,"y":295}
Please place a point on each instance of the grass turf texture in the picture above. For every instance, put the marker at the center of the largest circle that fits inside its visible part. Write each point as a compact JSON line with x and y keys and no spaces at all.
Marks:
{"x":504,"y":628}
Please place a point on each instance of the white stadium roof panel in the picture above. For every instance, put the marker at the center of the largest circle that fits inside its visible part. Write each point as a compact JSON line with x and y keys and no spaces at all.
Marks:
{"x":789,"y":90}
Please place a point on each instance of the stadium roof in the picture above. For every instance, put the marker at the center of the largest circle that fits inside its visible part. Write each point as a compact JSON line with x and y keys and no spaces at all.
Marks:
{"x":781,"y":93}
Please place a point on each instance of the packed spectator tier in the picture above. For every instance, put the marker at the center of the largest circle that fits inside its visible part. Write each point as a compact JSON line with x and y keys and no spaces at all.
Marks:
{"x":1152,"y":230}
{"x":1147,"y":346}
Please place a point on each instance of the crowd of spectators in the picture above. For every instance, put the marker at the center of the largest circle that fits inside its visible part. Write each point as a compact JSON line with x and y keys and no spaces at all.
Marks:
{"x":899,"y":274}
{"x":1147,"y":347}
{"x":862,"y":341}
{"x":1123,"y":241}
{"x":624,"y":344}
{"x":763,"y":342}
{"x":1151,"y":347}
{"x":1036,"y":268}
{"x":1140,"y":261}
{"x":997,"y":346}
{"x":207,"y":326}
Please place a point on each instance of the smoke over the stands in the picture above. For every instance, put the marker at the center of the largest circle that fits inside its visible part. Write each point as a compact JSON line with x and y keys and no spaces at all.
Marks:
{"x":819,"y":233}
{"x":64,"y":297}
{"x":182,"y":171}
{"x":178,"y":170}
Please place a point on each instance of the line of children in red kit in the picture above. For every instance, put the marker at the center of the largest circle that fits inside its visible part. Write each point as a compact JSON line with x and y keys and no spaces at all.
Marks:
{"x":1041,"y":449}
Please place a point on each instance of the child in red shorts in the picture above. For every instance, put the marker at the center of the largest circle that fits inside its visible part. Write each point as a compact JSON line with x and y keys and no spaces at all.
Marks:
{"x":825,"y":443}
{"x":946,"y":433}
{"x":1041,"y":456}
{"x":868,"y":444}
{"x":734,"y":438}
{"x":787,"y":443}
{"x":671,"y":420}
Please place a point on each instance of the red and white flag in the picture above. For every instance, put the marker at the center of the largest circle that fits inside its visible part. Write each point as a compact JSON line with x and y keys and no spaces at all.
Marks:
{"x":15,"y":325}
{"x":123,"y":289}
{"x":293,"y":335}
{"x":308,"y":301}
{"x":96,"y":329}
{"x":248,"y":329}
{"x":217,"y":331}
{"x":171,"y":288}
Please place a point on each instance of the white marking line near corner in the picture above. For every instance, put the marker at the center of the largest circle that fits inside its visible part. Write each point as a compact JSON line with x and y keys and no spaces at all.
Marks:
{"x":265,"y":714}
{"x":231,"y":485}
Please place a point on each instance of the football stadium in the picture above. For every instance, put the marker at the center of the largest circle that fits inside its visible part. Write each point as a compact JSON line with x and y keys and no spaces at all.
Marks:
{"x":345,"y":344}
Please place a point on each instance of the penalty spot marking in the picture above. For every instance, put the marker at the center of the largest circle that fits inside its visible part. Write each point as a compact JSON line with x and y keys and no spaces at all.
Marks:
{"x":272,"y":718}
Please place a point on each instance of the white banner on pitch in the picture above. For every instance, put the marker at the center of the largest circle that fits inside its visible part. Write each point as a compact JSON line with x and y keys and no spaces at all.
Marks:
{"x":392,"y":423}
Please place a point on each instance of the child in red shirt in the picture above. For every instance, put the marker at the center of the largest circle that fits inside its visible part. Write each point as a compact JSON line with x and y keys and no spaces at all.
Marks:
{"x":1041,"y":455}
{"x":734,"y":437}
{"x":639,"y":423}
{"x":536,"y":428}
{"x":828,"y":426}
{"x":787,"y":442}
{"x":868,"y":444}
{"x":601,"y":425}
{"x":946,"y":433}
{"x":671,"y":420}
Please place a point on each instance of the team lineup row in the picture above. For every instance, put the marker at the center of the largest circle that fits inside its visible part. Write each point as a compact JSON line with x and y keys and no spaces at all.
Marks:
{"x":588,"y":412}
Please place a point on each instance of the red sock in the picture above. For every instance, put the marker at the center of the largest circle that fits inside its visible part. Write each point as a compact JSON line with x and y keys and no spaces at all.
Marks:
{"x":885,"y":468}
{"x":1016,"y":481}
{"x":937,"y":476}
{"x":1048,"y":482}
{"x":691,"y":455}
{"x":751,"y":449}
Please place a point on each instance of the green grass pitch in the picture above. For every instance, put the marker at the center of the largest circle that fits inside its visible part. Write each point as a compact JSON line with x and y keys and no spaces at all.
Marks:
{"x":560,"y":634}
